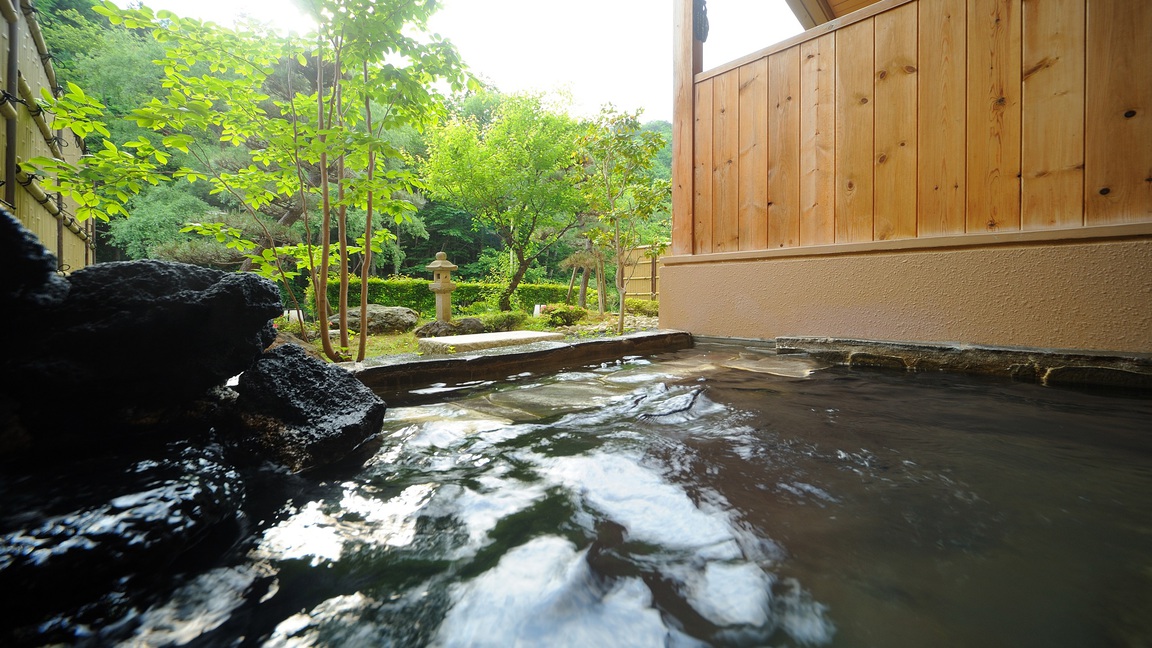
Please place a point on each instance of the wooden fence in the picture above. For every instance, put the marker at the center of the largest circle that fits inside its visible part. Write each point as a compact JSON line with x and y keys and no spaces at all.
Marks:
{"x":642,"y":274}
{"x":921,"y":118}
{"x":26,"y":66}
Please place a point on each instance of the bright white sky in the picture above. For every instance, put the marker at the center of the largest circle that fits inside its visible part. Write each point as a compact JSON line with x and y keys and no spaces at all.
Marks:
{"x":599,"y":51}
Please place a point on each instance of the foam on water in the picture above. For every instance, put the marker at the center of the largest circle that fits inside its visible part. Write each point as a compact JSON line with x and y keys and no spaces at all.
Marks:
{"x":543,"y":594}
{"x":652,"y":510}
{"x":731,"y":594}
{"x":200,"y":606}
{"x":315,"y":534}
{"x":480,"y":510}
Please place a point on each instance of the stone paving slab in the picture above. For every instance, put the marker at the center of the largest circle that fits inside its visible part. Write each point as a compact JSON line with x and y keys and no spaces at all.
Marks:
{"x":478,"y":341}
{"x":400,"y":378}
{"x":1045,"y":366}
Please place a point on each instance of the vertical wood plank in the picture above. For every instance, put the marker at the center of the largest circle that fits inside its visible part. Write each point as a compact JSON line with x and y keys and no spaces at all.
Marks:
{"x":1118,"y":160}
{"x":1052,"y":115}
{"x":686,"y":62}
{"x":725,"y":162}
{"x":942,"y":189}
{"x":854,"y":140}
{"x":702,"y":172}
{"x":818,"y":141}
{"x":754,"y":155}
{"x":896,"y":116}
{"x":784,"y":149}
{"x":993,"y":115}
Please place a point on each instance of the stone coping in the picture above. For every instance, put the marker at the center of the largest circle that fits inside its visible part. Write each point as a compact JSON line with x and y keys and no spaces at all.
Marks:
{"x":400,"y":378}
{"x":450,"y":344}
{"x":1063,"y":367}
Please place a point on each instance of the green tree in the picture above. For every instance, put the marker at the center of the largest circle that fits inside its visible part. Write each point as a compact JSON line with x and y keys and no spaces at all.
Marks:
{"x":305,"y":118}
{"x":621,"y":190}
{"x":662,"y":163}
{"x":157,"y":218}
{"x":517,"y":175}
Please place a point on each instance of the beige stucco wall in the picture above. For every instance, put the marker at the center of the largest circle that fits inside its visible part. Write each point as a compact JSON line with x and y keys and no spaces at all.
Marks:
{"x":1072,"y":295}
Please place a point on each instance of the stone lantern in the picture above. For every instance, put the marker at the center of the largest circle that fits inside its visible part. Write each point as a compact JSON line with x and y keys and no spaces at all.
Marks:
{"x":442,"y":285}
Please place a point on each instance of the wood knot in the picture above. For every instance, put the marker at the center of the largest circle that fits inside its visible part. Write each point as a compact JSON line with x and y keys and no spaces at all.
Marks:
{"x":863,"y":100}
{"x":1002,"y":101}
{"x":1105,"y":191}
{"x":851,"y":185}
{"x":882,"y":159}
{"x":909,"y":68}
{"x":883,"y":74}
{"x":1130,"y":114}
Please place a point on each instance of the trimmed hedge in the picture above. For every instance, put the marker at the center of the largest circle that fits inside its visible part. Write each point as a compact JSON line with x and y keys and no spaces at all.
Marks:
{"x":414,"y":294}
{"x":646,"y":307}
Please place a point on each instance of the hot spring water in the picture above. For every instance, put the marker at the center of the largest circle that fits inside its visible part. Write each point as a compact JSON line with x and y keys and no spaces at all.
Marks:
{"x":716,"y":496}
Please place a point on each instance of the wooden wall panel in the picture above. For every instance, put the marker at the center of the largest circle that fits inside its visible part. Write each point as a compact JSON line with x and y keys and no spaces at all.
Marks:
{"x":844,"y":7}
{"x":784,"y":149}
{"x":854,"y":123}
{"x":725,"y":157}
{"x":4,"y":46}
{"x":931,"y":118}
{"x":993,"y":115}
{"x":895,"y":131}
{"x":818,"y":141}
{"x":1052,"y":119}
{"x":1118,"y":164}
{"x":942,"y":186}
{"x":754,"y":138}
{"x":702,"y":171}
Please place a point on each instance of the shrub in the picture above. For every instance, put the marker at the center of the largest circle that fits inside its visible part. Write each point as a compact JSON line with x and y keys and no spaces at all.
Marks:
{"x":562,"y":314}
{"x":645,"y":307}
{"x":469,"y":297}
{"x":503,"y":321}
{"x":528,"y":295}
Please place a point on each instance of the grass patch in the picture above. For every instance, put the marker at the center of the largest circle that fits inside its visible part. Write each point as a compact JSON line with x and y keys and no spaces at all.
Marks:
{"x":387,"y":344}
{"x":399,"y":343}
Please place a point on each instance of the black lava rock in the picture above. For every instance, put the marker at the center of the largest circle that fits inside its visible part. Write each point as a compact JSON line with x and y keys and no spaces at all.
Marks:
{"x":303,"y":412}
{"x":107,"y":526}
{"x":27,"y":271}
{"x":170,"y":331}
{"x":124,"y":462}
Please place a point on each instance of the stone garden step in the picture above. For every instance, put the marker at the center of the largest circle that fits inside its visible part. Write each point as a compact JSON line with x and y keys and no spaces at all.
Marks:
{"x":461,"y":343}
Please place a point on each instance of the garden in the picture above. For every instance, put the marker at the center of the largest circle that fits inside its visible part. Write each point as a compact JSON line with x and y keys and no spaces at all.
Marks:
{"x":349,"y":157}
{"x":536,"y":307}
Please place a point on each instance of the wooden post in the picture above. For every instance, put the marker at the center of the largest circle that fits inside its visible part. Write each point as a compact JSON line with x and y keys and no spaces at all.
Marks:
{"x":11,"y":133}
{"x":688,"y":58}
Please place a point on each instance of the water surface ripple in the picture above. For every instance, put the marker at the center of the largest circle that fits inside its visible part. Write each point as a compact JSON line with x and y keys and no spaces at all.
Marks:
{"x":716,"y":496}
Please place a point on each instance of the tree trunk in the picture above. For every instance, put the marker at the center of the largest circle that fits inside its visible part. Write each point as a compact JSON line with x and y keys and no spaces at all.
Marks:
{"x":601,"y":286}
{"x":517,"y":277}
{"x":620,"y":279}
{"x":342,"y":232}
{"x":584,"y":276}
{"x":571,"y":284}
{"x":366,"y":255}
{"x":325,"y":231}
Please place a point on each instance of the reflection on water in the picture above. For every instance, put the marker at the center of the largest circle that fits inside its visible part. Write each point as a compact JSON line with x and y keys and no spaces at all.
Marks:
{"x":717,"y":496}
